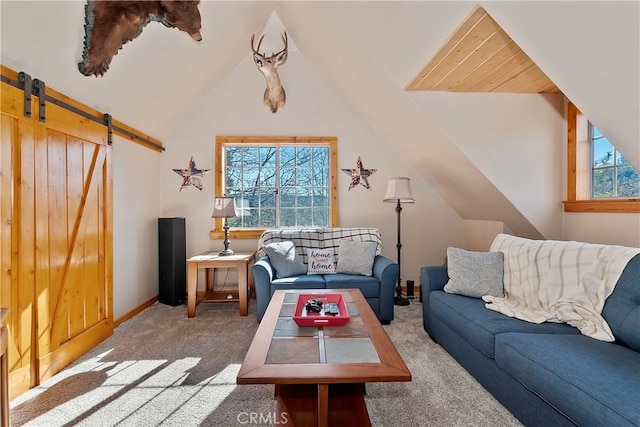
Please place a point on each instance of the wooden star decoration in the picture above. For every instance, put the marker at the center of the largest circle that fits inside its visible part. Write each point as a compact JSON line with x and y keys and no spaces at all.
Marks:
{"x":359,"y":175}
{"x":191,"y":175}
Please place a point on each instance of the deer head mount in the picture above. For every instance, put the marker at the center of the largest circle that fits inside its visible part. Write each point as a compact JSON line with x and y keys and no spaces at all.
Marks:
{"x":274,"y":96}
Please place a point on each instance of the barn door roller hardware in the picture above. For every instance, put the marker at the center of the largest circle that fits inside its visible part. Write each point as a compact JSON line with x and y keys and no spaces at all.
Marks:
{"x":26,"y":85}
{"x":109,"y":125}
{"x":39,"y":91}
{"x":33,"y":87}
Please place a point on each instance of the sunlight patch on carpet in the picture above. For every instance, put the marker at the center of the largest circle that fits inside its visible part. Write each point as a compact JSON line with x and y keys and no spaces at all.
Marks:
{"x":139,"y":392}
{"x":92,"y":365}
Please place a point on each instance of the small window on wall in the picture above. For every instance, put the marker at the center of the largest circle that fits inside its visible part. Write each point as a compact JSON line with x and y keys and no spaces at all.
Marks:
{"x":611,"y":174}
{"x":599,"y":177}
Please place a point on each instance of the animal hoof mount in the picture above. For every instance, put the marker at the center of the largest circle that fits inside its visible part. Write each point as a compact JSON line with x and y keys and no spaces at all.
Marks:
{"x":111,"y":24}
{"x":274,"y":96}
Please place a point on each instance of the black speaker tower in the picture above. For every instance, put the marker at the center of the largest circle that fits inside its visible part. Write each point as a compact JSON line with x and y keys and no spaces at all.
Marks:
{"x":172,"y":261}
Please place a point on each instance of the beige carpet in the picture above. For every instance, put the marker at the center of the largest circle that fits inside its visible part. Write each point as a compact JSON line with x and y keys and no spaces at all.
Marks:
{"x":162,"y":368}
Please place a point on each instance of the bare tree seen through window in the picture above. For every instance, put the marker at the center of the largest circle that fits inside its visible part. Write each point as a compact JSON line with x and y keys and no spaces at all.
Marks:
{"x":279,"y":185}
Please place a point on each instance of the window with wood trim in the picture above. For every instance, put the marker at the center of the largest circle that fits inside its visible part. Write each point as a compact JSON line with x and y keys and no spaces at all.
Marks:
{"x":611,"y":173}
{"x":277,"y":182}
{"x":599,"y":178}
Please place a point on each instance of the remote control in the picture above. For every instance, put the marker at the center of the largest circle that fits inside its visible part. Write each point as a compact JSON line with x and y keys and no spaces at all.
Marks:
{"x":331,"y":308}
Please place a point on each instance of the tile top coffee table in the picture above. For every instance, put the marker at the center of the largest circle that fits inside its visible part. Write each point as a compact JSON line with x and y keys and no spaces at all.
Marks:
{"x":320,"y":372}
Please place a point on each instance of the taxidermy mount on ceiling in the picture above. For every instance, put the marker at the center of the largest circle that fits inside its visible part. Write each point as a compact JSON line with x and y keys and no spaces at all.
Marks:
{"x":274,"y":96}
{"x":110,"y":24}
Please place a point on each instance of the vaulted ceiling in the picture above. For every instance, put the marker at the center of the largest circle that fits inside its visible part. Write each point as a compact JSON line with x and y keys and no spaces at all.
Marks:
{"x":369,"y":51}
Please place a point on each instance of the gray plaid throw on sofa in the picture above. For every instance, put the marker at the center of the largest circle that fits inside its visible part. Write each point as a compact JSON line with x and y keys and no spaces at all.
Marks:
{"x":319,"y":238}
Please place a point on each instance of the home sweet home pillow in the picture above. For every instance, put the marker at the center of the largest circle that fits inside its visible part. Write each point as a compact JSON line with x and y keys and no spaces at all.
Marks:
{"x":320,"y":261}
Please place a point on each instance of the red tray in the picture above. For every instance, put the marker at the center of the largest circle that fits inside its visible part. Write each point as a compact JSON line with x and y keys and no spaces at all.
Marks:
{"x":304,"y":318}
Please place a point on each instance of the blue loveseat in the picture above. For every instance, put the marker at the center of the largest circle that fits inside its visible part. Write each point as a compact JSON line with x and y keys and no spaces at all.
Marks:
{"x":378,"y":289}
{"x":546,"y":374}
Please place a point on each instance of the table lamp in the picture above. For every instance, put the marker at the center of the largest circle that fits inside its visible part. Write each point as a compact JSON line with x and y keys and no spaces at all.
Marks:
{"x":225,"y":207}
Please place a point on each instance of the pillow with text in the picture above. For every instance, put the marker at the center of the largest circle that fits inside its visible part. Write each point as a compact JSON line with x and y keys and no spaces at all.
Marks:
{"x":320,"y":261}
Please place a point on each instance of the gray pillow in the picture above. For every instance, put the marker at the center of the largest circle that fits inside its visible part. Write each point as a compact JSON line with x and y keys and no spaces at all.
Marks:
{"x":284,"y":259}
{"x":475,"y":274}
{"x":356,"y":257}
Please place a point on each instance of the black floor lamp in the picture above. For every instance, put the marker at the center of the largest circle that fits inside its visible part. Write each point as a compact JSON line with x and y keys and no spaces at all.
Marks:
{"x":399,"y":191}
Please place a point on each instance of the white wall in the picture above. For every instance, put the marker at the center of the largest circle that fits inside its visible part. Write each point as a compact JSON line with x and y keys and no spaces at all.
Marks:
{"x":516,"y":141}
{"x":479,"y":235}
{"x":136,"y":207}
{"x":596,"y":227}
{"x":313,"y":108}
{"x":519,"y":143}
{"x":591,"y":51}
{"x":614,"y":229}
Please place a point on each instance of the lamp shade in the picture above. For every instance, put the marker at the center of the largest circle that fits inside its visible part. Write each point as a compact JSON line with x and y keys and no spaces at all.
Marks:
{"x":398,"y":189}
{"x":224,"y":207}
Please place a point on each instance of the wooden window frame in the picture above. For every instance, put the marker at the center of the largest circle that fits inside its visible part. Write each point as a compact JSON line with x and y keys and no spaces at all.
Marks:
{"x":578,"y":172}
{"x":330,"y":141}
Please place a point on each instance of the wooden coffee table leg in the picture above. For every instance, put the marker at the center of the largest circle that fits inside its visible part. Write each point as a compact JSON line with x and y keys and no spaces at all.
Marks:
{"x":323,"y":405}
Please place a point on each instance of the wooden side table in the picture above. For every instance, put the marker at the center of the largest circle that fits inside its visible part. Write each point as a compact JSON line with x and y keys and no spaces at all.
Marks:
{"x":241,"y":261}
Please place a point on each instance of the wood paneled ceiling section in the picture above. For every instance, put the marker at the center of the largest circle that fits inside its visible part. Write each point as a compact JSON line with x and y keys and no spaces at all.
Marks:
{"x":480,"y":57}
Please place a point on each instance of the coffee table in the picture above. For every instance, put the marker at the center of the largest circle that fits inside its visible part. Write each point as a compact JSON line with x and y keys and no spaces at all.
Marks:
{"x":320,"y":372}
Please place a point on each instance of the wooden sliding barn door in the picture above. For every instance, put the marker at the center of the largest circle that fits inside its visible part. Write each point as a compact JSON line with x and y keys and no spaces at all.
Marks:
{"x":55,"y":237}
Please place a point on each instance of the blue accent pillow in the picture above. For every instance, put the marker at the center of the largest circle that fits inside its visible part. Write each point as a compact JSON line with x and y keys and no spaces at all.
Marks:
{"x":284,"y":259}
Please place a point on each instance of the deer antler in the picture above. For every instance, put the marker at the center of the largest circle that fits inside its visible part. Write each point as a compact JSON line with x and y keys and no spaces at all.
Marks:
{"x":284,"y":40}
{"x":256,"y":50}
{"x":274,"y":95}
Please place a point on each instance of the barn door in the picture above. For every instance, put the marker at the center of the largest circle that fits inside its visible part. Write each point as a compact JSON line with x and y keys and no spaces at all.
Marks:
{"x":56,"y":237}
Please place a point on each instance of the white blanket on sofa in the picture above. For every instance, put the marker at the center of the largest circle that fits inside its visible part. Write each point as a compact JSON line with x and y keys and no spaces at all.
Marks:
{"x":556,"y":281}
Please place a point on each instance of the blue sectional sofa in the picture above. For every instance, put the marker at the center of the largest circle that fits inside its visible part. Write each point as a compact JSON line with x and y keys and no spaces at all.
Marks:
{"x":378,"y":289}
{"x":546,"y":374}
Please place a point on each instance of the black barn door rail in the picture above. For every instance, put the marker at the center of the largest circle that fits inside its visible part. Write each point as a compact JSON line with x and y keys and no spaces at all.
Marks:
{"x":37,"y":87}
